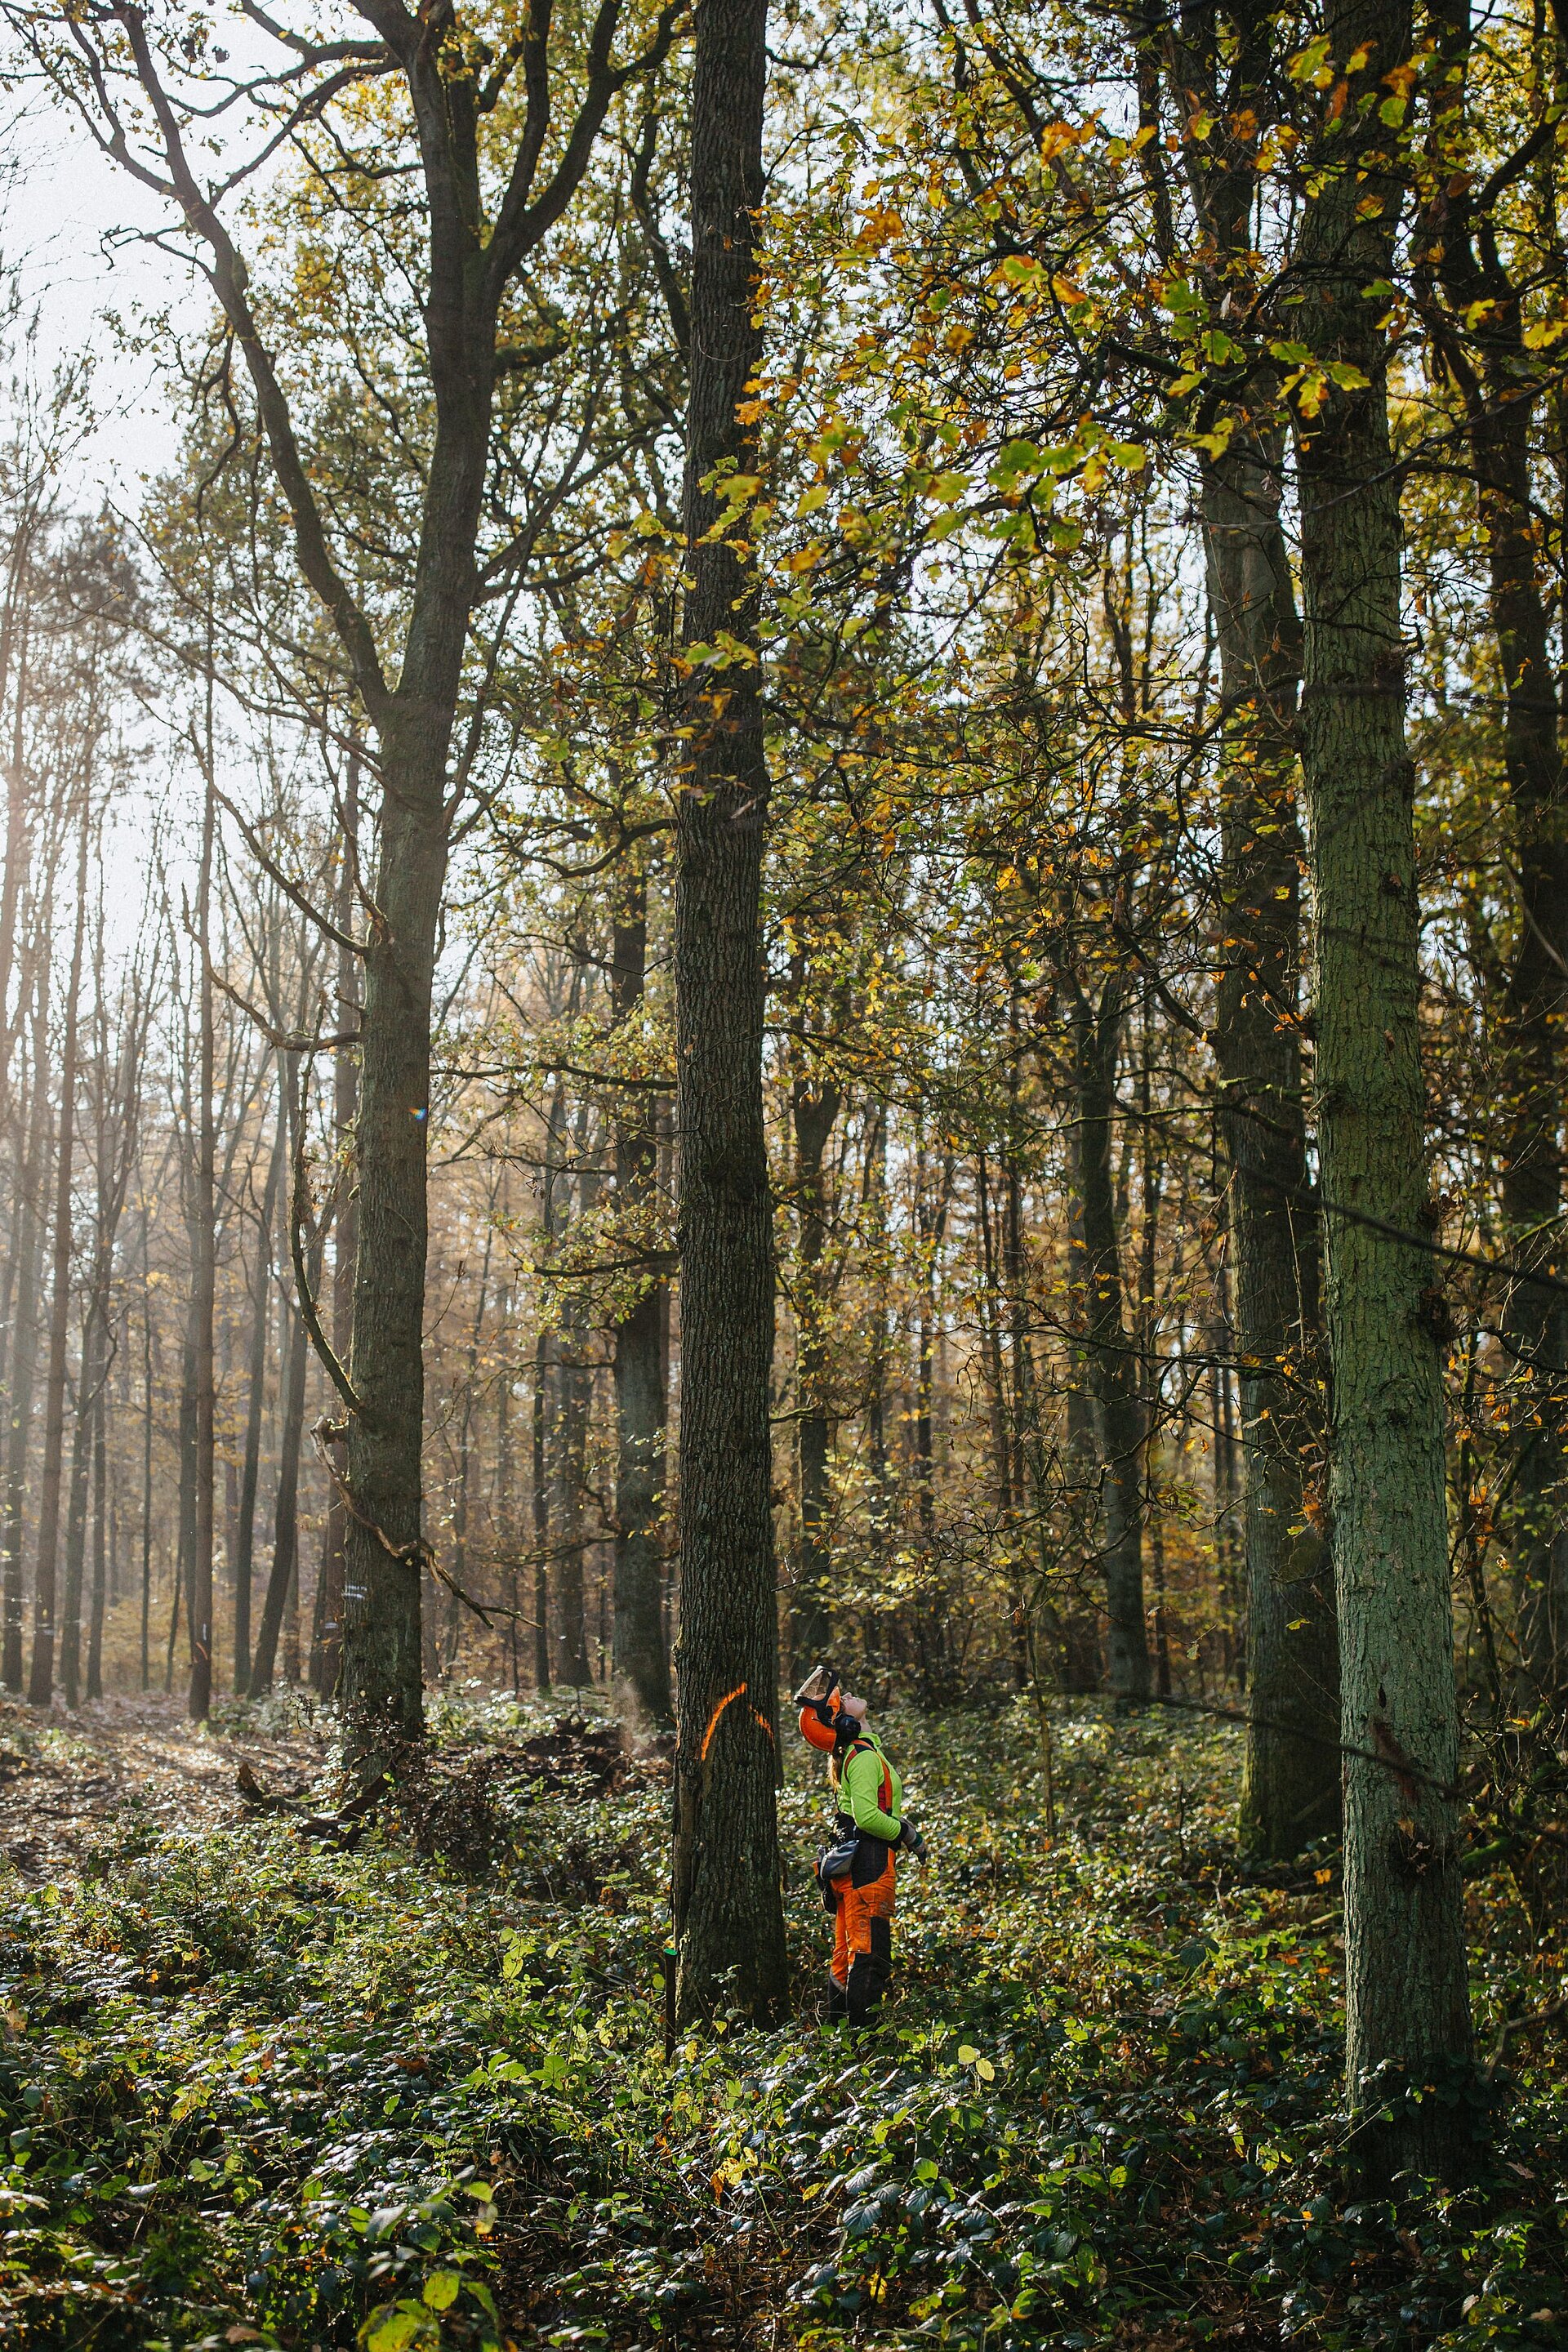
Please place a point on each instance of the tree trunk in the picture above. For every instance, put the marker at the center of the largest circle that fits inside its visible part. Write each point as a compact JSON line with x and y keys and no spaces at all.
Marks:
{"x":1407,"y":2014}
{"x":384,"y":1552}
{"x":242,"y":1673}
{"x":23,"y":1344}
{"x":729,"y":1921}
{"x":41,"y":1678}
{"x":815,"y":1110}
{"x":574,"y":1404}
{"x":204,"y":1261}
{"x":541,"y":1510}
{"x":640,"y":1665}
{"x":1291,"y":1783}
{"x":1113,"y":1378}
{"x":88,"y":1380}
{"x":255,"y":1399}
{"x":327,"y":1645}
{"x":281,"y":1576}
{"x":100,"y":1538}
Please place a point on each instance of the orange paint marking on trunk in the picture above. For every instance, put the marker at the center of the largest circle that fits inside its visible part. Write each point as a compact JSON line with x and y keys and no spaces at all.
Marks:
{"x":757,"y":1717}
{"x":739,"y":1692}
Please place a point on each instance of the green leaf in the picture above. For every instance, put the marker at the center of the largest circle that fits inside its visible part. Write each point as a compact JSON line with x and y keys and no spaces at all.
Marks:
{"x":392,"y":2329}
{"x":440,"y":2290}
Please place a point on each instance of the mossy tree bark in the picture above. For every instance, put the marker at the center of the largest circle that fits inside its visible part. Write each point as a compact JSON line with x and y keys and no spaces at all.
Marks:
{"x":1407,"y":2015}
{"x":729,"y":1918}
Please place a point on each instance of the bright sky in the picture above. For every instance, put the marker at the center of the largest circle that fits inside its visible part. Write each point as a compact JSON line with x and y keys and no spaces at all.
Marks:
{"x":61,"y":211}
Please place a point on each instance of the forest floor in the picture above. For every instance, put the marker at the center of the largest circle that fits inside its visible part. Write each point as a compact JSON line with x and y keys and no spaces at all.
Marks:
{"x":264,"y":2087}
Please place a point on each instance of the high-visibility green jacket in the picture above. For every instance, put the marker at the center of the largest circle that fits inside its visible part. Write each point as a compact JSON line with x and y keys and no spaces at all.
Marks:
{"x":870,"y":1790}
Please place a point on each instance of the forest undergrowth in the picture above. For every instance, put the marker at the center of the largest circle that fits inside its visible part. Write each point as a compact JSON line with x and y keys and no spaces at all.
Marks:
{"x":263,"y":2088}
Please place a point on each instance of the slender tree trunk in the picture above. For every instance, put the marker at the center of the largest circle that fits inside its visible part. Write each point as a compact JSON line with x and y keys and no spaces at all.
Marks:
{"x":1113,"y":1373}
{"x":100,"y":1552}
{"x":41,"y":1679}
{"x":23,"y":1346}
{"x":88,"y":1376}
{"x":255,"y":1399}
{"x":573,"y":1400}
{"x":281,"y":1580}
{"x":326,"y":1649}
{"x":815,"y":1110}
{"x":1408,"y":2013}
{"x":204,"y":1262}
{"x":147,"y":1452}
{"x":729,"y":1921}
{"x":640,"y":1665}
{"x":187,"y":1491}
{"x":541,"y":1511}
{"x":1290,"y":1786}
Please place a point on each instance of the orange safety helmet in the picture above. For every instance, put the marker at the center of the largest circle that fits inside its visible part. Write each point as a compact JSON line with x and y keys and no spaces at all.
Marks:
{"x":818,"y":1726}
{"x":817,"y":1699}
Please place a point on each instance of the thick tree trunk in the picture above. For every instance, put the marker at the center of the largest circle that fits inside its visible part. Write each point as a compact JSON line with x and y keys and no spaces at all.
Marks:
{"x":1290,"y":1786}
{"x":41,"y":1677}
{"x":1113,"y":1378}
{"x":815,"y":1110}
{"x":1407,"y":2014}
{"x":384,"y":1549}
{"x":729,"y":1921}
{"x":640,"y":1665}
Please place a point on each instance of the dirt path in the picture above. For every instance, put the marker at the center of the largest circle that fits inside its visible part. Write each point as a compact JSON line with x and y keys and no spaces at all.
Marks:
{"x":62,"y":1777}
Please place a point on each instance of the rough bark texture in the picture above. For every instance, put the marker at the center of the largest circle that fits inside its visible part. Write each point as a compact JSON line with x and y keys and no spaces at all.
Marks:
{"x":640,"y":1665}
{"x":729,"y":1919}
{"x":1407,"y":2018}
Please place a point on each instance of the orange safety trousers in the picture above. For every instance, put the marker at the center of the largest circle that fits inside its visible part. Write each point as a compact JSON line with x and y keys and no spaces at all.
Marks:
{"x":862,"y":1942}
